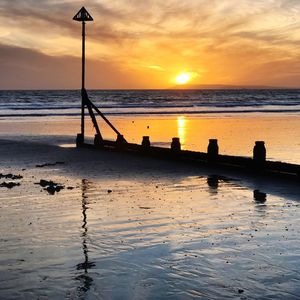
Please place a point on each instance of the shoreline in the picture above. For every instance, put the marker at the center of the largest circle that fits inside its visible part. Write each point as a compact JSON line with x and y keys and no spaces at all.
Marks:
{"x":163,"y":114}
{"x":236,"y":134}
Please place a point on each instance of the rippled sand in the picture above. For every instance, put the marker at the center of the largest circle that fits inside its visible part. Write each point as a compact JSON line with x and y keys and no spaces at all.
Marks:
{"x":127,"y":227}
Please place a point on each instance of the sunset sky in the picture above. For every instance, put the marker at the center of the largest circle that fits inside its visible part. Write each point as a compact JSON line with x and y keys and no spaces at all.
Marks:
{"x":146,"y":44}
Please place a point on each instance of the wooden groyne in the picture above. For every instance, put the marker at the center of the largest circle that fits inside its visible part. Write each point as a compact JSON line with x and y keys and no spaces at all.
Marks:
{"x":256,"y":165}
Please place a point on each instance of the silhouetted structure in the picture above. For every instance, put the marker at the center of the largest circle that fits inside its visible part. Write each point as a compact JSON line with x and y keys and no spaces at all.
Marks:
{"x":213,"y":149}
{"x":146,"y":142}
{"x":258,"y":164}
{"x":83,"y":16}
{"x":175,"y":145}
{"x":259,"y":152}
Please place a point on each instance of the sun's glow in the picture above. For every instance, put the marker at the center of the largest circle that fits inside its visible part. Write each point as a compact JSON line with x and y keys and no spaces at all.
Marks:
{"x":183,"y":78}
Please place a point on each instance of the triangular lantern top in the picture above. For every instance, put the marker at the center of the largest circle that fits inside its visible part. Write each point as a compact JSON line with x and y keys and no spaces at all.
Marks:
{"x":83,"y":15}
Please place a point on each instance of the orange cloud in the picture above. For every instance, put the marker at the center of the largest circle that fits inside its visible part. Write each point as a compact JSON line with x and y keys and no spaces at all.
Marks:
{"x":144,"y":44}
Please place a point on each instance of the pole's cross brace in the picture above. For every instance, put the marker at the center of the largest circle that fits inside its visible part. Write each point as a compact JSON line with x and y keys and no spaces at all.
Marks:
{"x":91,"y":107}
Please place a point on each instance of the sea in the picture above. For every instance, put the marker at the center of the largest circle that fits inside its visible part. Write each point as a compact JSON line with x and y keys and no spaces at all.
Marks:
{"x":237,"y":118}
{"x":18,"y":104}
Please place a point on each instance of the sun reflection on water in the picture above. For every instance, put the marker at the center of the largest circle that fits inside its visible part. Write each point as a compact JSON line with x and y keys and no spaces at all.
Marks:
{"x":181,"y":129}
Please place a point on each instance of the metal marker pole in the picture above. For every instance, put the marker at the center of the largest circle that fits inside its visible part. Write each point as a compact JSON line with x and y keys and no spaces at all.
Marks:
{"x":83,"y":80}
{"x":82,"y":16}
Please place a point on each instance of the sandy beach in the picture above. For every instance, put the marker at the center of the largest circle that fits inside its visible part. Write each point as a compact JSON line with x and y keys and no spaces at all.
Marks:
{"x":121,"y":219}
{"x":126,"y":227}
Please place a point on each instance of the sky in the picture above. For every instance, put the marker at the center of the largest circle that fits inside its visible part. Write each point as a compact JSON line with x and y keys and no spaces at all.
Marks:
{"x":147,"y":43}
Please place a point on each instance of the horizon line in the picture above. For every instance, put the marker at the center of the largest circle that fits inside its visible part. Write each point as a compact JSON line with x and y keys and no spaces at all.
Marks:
{"x":205,"y":87}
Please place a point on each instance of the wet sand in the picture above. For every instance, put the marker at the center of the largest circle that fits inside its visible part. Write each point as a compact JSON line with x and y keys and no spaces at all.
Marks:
{"x":128,"y":227}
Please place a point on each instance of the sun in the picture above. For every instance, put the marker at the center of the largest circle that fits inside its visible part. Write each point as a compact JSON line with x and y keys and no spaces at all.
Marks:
{"x":183,"y":78}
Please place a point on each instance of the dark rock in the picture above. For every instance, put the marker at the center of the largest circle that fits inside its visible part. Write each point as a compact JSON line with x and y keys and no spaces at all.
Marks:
{"x":50,"y":186}
{"x":109,"y":191}
{"x":9,"y":185}
{"x":11,"y":176}
{"x":58,"y":188}
{"x":51,"y":189}
{"x":45,"y":183}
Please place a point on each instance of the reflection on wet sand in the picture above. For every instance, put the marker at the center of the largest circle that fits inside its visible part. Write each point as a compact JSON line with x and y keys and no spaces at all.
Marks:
{"x":213,"y":184}
{"x":259,"y":196}
{"x":85,"y":279}
{"x":169,"y":234}
{"x":261,"y":207}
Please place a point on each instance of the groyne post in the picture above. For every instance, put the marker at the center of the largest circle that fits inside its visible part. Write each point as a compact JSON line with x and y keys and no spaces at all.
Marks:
{"x":146,"y":142}
{"x":79,"y":140}
{"x":120,"y":142}
{"x":259,"y":153}
{"x":175,"y":145}
{"x":212,"y":149}
{"x":98,"y":141}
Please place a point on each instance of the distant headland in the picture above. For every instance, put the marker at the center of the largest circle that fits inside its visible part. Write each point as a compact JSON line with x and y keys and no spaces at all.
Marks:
{"x":229,"y":87}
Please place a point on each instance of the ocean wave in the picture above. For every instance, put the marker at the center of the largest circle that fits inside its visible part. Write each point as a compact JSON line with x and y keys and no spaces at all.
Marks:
{"x":179,"y":112}
{"x":35,"y":106}
{"x":151,"y":102}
